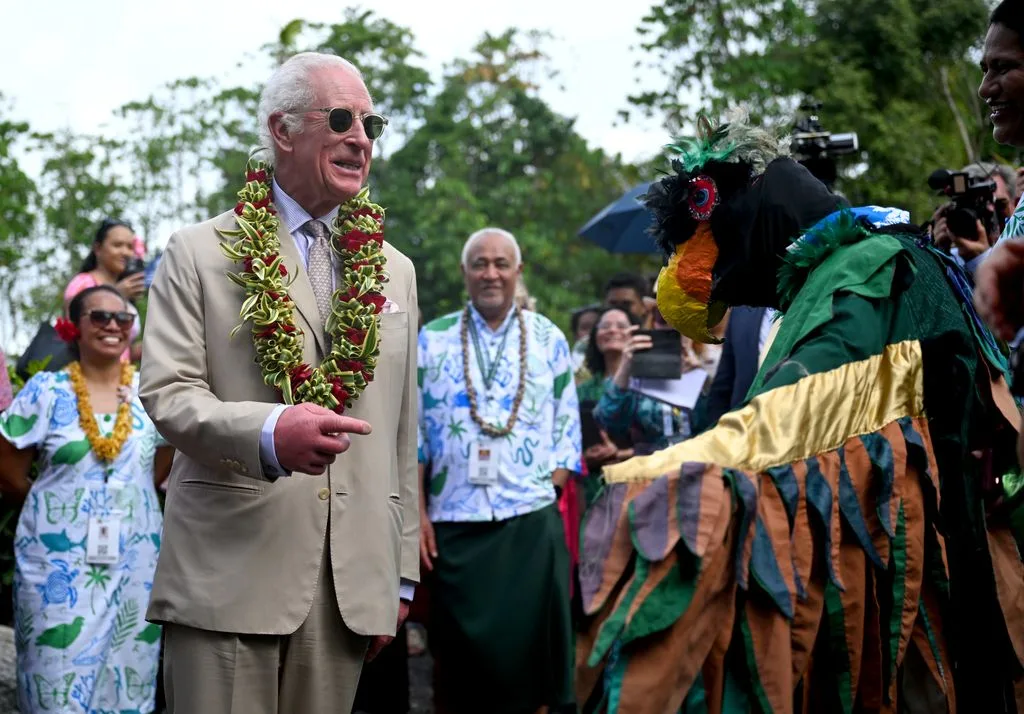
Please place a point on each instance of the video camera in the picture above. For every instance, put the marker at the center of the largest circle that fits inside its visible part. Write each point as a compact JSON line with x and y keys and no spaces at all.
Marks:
{"x":971,"y":200}
{"x":816,"y":148}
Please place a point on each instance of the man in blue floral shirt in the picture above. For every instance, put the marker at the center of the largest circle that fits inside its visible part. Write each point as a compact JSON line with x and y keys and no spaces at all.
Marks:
{"x":499,"y":435}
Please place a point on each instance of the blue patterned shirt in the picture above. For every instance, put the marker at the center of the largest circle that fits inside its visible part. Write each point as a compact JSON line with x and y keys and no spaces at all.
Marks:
{"x":1014,"y":228}
{"x":546,"y":435}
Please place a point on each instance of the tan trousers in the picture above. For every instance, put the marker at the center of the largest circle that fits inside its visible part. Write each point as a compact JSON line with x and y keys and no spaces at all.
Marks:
{"x":315,"y":670}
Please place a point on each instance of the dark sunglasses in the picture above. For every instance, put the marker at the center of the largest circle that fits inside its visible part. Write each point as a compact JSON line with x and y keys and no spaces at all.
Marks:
{"x":102,"y":318}
{"x":340,"y":120}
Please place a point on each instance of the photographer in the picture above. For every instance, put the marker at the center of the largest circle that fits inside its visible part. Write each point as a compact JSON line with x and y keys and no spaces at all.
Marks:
{"x":971,"y":222}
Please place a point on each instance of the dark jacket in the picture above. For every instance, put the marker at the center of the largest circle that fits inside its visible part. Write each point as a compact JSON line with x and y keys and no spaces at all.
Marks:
{"x":738,"y":366}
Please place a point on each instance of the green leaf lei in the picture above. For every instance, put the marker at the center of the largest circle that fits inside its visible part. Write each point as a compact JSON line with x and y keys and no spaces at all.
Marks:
{"x":353,"y":328}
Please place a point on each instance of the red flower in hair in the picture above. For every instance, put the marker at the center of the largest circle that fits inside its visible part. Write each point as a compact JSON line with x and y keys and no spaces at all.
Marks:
{"x":67,"y":330}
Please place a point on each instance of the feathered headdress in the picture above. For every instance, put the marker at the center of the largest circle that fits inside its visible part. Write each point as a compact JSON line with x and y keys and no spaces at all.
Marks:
{"x":724,"y":215}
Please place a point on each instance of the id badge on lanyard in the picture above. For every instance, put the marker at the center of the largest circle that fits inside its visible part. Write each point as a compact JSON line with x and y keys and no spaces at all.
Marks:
{"x":484,"y":459}
{"x":103,"y":541}
{"x":103,"y":538}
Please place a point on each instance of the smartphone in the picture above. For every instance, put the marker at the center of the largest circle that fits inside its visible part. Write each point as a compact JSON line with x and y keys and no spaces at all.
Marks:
{"x":135,"y":265}
{"x":664,"y":360}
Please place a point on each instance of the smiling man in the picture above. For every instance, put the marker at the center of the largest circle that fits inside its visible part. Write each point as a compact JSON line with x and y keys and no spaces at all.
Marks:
{"x":290,"y":547}
{"x":500,"y":430}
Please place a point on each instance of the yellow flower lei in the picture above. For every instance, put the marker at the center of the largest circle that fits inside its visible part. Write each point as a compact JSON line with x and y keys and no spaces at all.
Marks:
{"x":105,"y":448}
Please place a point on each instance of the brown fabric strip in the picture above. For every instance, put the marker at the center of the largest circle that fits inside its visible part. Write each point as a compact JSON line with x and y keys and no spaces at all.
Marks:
{"x":661,"y":671}
{"x":1009,"y":575}
{"x":858,"y":466}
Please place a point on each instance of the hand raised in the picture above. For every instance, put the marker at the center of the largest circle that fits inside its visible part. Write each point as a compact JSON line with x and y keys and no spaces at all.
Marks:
{"x":999,"y":288}
{"x":132,"y":286}
{"x":307,"y":437}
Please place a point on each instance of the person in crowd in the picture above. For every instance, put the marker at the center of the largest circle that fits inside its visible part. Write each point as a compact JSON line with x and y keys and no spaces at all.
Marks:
{"x":524,"y":301}
{"x":627,"y":291}
{"x":581,"y":324}
{"x":625,"y":416}
{"x":1019,"y":192}
{"x":500,"y":428}
{"x":967,"y":248}
{"x":112,"y":249}
{"x":89,"y":532}
{"x":6,"y":393}
{"x":290,"y":549}
{"x":746,"y":336}
{"x":843,"y":510}
{"x":998,"y":271}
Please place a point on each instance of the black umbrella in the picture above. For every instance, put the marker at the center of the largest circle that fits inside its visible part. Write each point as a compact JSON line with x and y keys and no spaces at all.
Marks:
{"x":622,"y":226}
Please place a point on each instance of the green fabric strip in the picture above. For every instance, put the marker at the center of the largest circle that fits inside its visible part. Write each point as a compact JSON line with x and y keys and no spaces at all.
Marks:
{"x":898,"y":560}
{"x":613,"y":626}
{"x":665,"y":604}
{"x":837,"y":640}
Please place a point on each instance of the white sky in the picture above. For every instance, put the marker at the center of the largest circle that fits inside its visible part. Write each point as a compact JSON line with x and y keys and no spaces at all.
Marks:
{"x":68,"y":63}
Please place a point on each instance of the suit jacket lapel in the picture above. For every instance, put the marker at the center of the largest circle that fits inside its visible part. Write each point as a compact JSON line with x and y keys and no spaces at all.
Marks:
{"x":301,"y":291}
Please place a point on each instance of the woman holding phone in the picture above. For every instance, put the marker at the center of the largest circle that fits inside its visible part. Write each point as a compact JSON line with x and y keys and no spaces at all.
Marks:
{"x":114,"y":251}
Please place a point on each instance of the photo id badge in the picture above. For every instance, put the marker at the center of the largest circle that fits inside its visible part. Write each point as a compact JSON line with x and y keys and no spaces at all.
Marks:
{"x":483,"y":462}
{"x":103,"y":543}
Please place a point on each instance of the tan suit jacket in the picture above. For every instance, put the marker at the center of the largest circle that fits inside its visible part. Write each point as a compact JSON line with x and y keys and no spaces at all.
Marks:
{"x":241,"y":552}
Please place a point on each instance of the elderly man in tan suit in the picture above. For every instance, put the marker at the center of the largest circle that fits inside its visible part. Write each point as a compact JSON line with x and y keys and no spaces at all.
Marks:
{"x":290,"y":549}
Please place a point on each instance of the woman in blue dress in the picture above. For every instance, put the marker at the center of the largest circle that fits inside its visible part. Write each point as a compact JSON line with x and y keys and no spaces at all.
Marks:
{"x":89,"y":532}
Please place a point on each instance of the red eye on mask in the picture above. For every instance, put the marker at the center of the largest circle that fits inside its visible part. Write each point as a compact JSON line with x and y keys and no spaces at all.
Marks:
{"x":703,"y":197}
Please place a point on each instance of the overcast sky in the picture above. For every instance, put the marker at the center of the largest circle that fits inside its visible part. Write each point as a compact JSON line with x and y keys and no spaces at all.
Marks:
{"x":74,"y":62}
{"x":69,"y":64}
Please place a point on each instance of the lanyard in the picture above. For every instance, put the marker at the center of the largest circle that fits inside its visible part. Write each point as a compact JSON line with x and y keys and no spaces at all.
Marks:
{"x":489,"y":371}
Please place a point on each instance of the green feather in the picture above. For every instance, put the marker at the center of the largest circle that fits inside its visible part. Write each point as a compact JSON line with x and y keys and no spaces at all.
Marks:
{"x":811,"y":249}
{"x":696,"y":152}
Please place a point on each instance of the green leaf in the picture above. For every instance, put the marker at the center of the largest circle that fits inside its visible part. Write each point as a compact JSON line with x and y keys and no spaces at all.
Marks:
{"x":124,"y":624}
{"x":72,"y":452}
{"x":437,"y":482}
{"x":442,"y":323}
{"x":149,"y":635}
{"x":561,"y":382}
{"x":16,"y":425}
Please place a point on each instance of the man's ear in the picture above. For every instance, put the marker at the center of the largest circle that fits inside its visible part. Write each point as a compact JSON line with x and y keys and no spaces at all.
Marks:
{"x":280,"y":133}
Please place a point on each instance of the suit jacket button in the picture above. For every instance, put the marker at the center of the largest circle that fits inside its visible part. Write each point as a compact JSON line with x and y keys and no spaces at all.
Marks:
{"x":324,"y":494}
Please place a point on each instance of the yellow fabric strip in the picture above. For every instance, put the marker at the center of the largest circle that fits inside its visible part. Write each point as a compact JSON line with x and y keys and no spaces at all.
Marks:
{"x":817,"y":414}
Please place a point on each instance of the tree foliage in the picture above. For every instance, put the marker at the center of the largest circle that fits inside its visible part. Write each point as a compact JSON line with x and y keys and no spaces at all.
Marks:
{"x":900,"y":73}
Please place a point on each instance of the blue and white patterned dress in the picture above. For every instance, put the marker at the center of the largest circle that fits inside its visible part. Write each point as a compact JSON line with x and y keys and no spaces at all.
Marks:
{"x":82,"y":640}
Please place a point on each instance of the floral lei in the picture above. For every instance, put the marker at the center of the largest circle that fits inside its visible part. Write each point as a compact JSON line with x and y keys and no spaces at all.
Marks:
{"x":106,"y":448}
{"x":353,"y":328}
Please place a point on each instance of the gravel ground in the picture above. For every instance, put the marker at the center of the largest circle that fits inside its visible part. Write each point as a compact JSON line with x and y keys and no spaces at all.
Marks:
{"x":421,"y":693}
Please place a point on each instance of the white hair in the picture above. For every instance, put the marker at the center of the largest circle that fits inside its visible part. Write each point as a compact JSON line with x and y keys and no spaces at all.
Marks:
{"x":289,"y":89}
{"x":475,"y":238}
